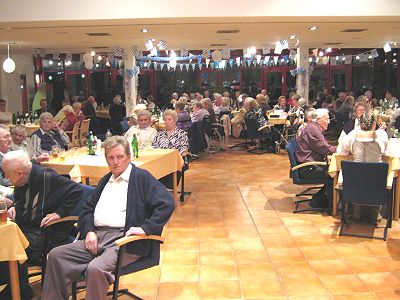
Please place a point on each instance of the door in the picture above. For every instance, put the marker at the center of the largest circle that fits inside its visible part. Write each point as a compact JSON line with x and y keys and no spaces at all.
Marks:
{"x":279,"y":82}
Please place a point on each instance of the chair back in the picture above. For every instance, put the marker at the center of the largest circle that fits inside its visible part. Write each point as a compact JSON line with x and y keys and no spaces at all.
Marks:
{"x":291,"y":150}
{"x":87,"y":192}
{"x":364,"y":182}
{"x":251,"y":128}
{"x":75,"y":134}
{"x":207,"y":125}
{"x":84,"y":132}
{"x":124,"y":126}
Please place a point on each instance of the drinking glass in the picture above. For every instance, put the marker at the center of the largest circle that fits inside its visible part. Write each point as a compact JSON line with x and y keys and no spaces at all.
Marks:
{"x":3,"y":210}
{"x":55,"y":150}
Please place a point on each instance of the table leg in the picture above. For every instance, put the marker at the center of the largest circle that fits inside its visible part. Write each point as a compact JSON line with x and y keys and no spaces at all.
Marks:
{"x":175,"y":184}
{"x":335,"y":195}
{"x":14,"y":280}
{"x":396,"y":198}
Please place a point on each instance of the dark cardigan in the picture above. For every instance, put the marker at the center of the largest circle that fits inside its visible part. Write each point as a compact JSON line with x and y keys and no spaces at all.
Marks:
{"x":149,"y":205}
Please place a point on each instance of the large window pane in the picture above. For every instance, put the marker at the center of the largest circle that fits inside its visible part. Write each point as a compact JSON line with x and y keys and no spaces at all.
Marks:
{"x":166,"y":85}
{"x":363,"y":78}
{"x":230,"y":78}
{"x":318,"y":80}
{"x":209,"y":81}
{"x":100,"y":87}
{"x":186,"y":81}
{"x":144,"y":88}
{"x":77,"y":85}
{"x":56,"y":88}
{"x":251,"y":81}
{"x":274,"y":85}
{"x":339,"y":81}
{"x":290,"y":83}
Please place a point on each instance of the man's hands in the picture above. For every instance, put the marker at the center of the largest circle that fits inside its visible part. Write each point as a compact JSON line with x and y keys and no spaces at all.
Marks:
{"x":47,"y":219}
{"x":11,"y":213}
{"x":91,"y":242}
{"x":43,"y":157}
{"x":135,"y":231}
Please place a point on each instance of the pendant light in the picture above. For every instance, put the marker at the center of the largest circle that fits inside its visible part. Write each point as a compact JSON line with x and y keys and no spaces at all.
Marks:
{"x":8,"y":64}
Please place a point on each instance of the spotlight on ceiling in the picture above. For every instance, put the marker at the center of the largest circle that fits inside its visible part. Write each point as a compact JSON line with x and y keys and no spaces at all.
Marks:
{"x":312,"y":28}
{"x":387,"y":48}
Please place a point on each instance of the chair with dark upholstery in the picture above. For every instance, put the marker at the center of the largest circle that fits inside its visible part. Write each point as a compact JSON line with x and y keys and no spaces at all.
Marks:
{"x":295,"y":174}
{"x":123,"y":126}
{"x":141,"y":264}
{"x":365,"y":184}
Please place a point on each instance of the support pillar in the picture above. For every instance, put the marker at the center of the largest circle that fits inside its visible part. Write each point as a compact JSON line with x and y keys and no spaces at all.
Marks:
{"x":303,"y":76}
{"x":130,"y":83}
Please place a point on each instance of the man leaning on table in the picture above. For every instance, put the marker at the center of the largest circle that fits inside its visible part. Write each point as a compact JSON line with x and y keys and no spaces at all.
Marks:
{"x":312,"y":146}
{"x":127,"y":201}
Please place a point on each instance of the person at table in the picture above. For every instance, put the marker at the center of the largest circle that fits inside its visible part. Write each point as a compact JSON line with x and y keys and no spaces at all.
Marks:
{"x":21,"y":141}
{"x":359,"y":109}
{"x":151,"y":105}
{"x":117,"y":114}
{"x":140,"y":100}
{"x":346,"y":108}
{"x":340,"y":100}
{"x":172,"y":137}
{"x":43,"y":108}
{"x":312,"y":146}
{"x":89,"y":110}
{"x":184,"y":121}
{"x":392,"y":100}
{"x":77,"y":106}
{"x":127,"y":201}
{"x":5,"y":116}
{"x":217,"y":104}
{"x":366,"y":145}
{"x":49,"y":134}
{"x":5,"y":146}
{"x":309,"y":116}
{"x":281,"y":105}
{"x":207,"y":104}
{"x":225,"y":105}
{"x":199,"y":112}
{"x":253,"y":112}
{"x":35,"y":205}
{"x":146,"y":132}
{"x":263,"y":102}
{"x":70,"y":118}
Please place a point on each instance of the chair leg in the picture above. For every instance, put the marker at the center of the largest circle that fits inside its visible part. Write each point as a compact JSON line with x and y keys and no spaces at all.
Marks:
{"x":74,"y":290}
{"x":306,"y":191}
{"x":308,"y":209}
{"x":183,"y":193}
{"x":342,"y":217}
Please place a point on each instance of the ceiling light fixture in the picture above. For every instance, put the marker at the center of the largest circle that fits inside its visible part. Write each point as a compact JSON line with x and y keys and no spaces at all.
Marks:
{"x":312,"y":28}
{"x":99,"y":58}
{"x":8,"y":64}
{"x":92,"y":53}
{"x":292,"y":37}
{"x":50,"y":62}
{"x":387,"y":48}
{"x":145,"y":30}
{"x":329,"y":50}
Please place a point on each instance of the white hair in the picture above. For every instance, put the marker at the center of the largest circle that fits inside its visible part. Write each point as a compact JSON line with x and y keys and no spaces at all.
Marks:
{"x":321,"y":112}
{"x":19,"y":159}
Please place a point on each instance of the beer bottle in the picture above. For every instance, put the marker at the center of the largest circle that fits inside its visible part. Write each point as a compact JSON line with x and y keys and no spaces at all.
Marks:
{"x":135,"y":147}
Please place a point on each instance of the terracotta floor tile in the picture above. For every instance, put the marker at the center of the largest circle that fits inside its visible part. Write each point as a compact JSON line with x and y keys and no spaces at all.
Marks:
{"x":249,"y":256}
{"x":367,"y":265}
{"x":392,"y":262}
{"x":219,"y":289}
{"x":277,"y":254}
{"x":330,"y":267}
{"x":319,"y":253}
{"x":255,"y":271}
{"x":180,"y":257}
{"x":148,"y":275}
{"x":310,"y":297}
{"x":392,"y":295}
{"x":214,"y":244}
{"x":247,"y":243}
{"x":352,"y":251}
{"x":283,"y":242}
{"x":304,"y":287}
{"x":179,"y":273}
{"x":178,"y":290}
{"x":212,"y":233}
{"x":145,"y":290}
{"x":261,"y":288}
{"x":216,"y":258}
{"x":340,"y":284}
{"x":217,"y":272}
{"x":380,"y":281}
{"x":311,"y":240}
{"x":356,"y":296}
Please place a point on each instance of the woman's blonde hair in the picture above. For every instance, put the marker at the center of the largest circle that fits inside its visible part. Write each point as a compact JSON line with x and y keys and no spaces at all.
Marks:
{"x":172,"y":113}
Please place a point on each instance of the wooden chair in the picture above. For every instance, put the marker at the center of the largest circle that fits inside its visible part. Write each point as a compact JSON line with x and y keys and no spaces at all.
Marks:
{"x":84,"y":132}
{"x":74,"y":134}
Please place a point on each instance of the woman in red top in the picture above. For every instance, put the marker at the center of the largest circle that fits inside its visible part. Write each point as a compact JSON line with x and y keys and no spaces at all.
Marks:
{"x":67,"y":124}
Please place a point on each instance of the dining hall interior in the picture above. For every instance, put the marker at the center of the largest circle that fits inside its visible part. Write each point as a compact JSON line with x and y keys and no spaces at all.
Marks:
{"x":270,"y":129}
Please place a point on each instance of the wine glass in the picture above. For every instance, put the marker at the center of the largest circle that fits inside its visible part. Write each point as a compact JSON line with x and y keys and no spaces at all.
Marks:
{"x":3,"y":209}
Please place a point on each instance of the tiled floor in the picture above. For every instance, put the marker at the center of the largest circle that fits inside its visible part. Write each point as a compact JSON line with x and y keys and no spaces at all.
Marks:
{"x":236,"y":237}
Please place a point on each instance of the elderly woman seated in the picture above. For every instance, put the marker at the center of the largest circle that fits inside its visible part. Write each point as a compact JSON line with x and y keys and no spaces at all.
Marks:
{"x":184,"y":121}
{"x":49,"y":134}
{"x":20,"y":140}
{"x":67,"y":124}
{"x":172,"y":137}
{"x":146,"y":134}
{"x":199,"y":112}
{"x":252,"y":112}
{"x":77,"y":106}
{"x":366,"y":145}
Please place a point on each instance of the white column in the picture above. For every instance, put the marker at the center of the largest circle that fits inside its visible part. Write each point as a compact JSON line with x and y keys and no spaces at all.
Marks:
{"x":130,"y":83}
{"x":303,"y":78}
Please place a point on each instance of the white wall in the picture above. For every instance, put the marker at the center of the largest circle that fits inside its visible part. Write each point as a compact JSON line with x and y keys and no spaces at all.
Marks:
{"x":44,"y":10}
{"x":10,"y":83}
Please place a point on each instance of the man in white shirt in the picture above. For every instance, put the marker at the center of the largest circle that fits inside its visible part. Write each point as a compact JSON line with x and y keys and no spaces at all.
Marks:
{"x":20,"y":140}
{"x":127,"y":201}
{"x":144,"y":132}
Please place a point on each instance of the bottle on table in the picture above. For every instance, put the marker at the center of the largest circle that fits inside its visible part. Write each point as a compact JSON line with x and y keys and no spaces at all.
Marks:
{"x":90,"y":143}
{"x":14,"y":118}
{"x":135,"y":147}
{"x":108,"y":134}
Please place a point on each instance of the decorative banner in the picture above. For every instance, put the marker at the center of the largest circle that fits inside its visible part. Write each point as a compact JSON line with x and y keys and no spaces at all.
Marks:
{"x":207,"y":62}
{"x":68,"y":57}
{"x":155,"y":65}
{"x":200,"y":65}
{"x":117,"y":50}
{"x":110,"y":57}
{"x":206,"y":53}
{"x":187,"y":67}
{"x":266,"y":48}
{"x":374,"y":53}
{"x":162,"y":45}
{"x":43,"y":52}
{"x":193,"y":67}
{"x":238,"y":61}
{"x":231,"y":61}
{"x":80,"y":57}
{"x":226,"y":53}
{"x":292,"y":54}
{"x":153,"y":52}
{"x":56,"y":55}
{"x":258,"y":59}
{"x":135,"y":51}
{"x":184,"y":50}
{"x":216,"y":55}
{"x":181,"y":66}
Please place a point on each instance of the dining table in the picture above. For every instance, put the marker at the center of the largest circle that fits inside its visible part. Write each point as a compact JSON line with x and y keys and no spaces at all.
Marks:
{"x":13,"y":244}
{"x":80,"y":166}
{"x":334,"y":171}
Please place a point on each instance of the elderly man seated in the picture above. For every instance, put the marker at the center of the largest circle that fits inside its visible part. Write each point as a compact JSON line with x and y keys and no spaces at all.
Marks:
{"x":312,"y":146}
{"x":40,"y":196}
{"x":127,"y":201}
{"x":49,"y":134}
{"x":20,"y":140}
{"x":145,"y":132}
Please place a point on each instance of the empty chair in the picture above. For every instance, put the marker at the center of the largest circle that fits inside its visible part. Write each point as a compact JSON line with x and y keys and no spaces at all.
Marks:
{"x":365,"y":184}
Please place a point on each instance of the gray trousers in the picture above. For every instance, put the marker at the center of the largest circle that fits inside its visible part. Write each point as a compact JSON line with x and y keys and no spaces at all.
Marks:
{"x":67,"y":263}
